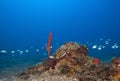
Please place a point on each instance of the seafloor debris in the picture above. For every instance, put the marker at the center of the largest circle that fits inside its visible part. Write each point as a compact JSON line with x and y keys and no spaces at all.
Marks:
{"x":71,"y":63}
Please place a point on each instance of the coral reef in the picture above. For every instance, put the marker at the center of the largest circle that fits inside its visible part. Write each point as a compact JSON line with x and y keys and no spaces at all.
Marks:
{"x":72,"y":63}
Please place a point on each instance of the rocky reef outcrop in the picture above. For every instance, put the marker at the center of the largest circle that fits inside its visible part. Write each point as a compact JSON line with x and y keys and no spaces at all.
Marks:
{"x":71,"y":62}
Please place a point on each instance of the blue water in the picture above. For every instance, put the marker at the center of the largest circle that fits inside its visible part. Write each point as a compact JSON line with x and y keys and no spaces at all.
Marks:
{"x":25,"y":25}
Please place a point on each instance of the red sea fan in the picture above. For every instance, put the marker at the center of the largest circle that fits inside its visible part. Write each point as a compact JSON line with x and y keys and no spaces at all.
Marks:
{"x":48,"y":43}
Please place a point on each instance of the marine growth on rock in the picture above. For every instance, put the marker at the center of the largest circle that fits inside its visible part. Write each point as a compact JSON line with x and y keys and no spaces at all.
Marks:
{"x":70,"y":62}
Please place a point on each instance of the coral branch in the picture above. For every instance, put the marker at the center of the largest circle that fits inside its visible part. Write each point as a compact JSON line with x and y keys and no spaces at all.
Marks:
{"x":48,"y":43}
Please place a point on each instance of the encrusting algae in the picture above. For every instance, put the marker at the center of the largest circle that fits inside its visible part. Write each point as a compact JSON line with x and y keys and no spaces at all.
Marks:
{"x":117,"y":75}
{"x":71,"y":62}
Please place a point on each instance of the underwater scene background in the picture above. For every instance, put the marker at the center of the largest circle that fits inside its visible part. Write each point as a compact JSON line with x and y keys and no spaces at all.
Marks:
{"x":25,"y":25}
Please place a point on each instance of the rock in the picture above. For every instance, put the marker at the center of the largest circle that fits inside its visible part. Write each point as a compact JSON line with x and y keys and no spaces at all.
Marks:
{"x":72,"y":63}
